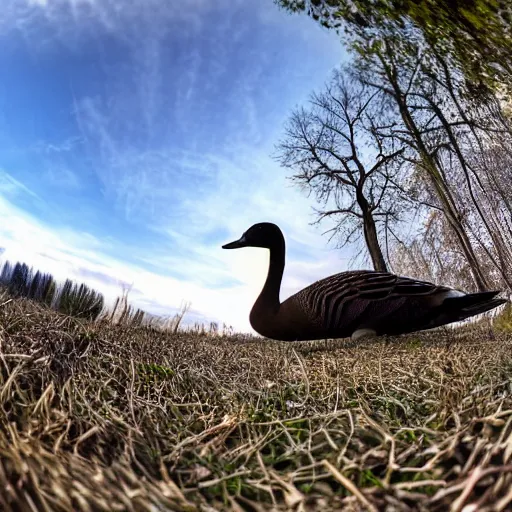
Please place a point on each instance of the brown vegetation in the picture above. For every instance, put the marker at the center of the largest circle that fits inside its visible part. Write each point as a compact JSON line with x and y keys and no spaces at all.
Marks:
{"x":96,"y":416}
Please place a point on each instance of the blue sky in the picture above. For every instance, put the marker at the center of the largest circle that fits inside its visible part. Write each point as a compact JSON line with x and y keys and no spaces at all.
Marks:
{"x":136,"y":139}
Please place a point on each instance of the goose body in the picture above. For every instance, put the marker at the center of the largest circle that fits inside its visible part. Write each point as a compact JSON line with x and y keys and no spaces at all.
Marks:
{"x":352,"y":304}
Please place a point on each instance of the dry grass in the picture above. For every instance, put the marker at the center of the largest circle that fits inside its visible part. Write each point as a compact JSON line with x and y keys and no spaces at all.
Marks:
{"x":101,"y":417}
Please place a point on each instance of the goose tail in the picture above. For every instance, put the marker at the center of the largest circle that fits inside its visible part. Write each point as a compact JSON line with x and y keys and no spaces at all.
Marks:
{"x":471,"y":304}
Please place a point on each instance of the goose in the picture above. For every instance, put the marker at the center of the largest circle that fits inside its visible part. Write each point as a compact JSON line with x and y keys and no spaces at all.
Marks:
{"x":356,"y":304}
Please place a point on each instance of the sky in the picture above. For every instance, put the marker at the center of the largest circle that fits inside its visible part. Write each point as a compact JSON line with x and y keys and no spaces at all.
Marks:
{"x":136,"y":138}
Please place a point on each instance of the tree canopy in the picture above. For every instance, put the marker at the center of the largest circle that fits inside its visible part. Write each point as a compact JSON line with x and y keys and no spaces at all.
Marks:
{"x":476,"y":34}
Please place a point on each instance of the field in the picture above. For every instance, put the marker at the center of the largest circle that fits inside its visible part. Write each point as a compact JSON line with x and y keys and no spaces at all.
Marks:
{"x":96,"y":417}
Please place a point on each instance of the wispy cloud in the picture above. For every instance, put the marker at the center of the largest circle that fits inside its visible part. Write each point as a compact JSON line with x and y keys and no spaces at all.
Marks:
{"x":10,"y":185}
{"x":62,"y":177}
{"x":163,"y":129}
{"x":51,"y":148}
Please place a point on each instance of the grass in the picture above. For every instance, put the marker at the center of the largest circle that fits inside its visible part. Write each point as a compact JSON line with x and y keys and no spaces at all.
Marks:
{"x":110,"y":418}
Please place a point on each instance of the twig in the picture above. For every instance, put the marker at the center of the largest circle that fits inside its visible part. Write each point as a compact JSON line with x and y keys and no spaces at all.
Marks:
{"x":349,"y":486}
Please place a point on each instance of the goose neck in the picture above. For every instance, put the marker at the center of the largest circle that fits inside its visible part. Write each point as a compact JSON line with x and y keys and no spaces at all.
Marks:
{"x":270,"y":293}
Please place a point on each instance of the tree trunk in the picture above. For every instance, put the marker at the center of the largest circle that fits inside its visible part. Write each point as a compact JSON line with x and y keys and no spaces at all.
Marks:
{"x":441,"y":187}
{"x":370,"y":234}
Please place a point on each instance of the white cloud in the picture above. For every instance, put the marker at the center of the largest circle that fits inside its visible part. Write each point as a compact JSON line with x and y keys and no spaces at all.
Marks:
{"x":78,"y":255}
{"x":72,"y":17}
{"x":185,"y":195}
{"x":62,"y":177}
{"x":63,"y":147}
{"x":10,"y":185}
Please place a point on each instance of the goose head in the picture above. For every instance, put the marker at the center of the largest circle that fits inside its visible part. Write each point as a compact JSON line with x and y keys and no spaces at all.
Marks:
{"x":264,"y":234}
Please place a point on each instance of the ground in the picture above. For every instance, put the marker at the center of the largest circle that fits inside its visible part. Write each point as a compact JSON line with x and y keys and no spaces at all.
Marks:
{"x":102,"y":417}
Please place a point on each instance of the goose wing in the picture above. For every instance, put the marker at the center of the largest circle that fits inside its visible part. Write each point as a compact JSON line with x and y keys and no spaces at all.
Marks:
{"x":343,"y":298}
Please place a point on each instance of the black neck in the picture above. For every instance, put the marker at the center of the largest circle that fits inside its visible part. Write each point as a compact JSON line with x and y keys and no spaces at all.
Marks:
{"x":269,"y":295}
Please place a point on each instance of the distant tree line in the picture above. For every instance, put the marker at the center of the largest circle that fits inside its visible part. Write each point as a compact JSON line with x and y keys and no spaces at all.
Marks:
{"x":407,"y":153}
{"x":71,"y":298}
{"x":79,"y":300}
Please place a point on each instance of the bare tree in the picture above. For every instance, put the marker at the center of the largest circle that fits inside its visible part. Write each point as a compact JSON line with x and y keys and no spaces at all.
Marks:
{"x":433,"y":253}
{"x":468,"y":126}
{"x":494,"y":166}
{"x":396,"y":68}
{"x":334,"y":151}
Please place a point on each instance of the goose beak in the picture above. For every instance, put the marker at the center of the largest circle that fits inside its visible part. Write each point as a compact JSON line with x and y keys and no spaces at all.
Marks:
{"x":241,"y":242}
